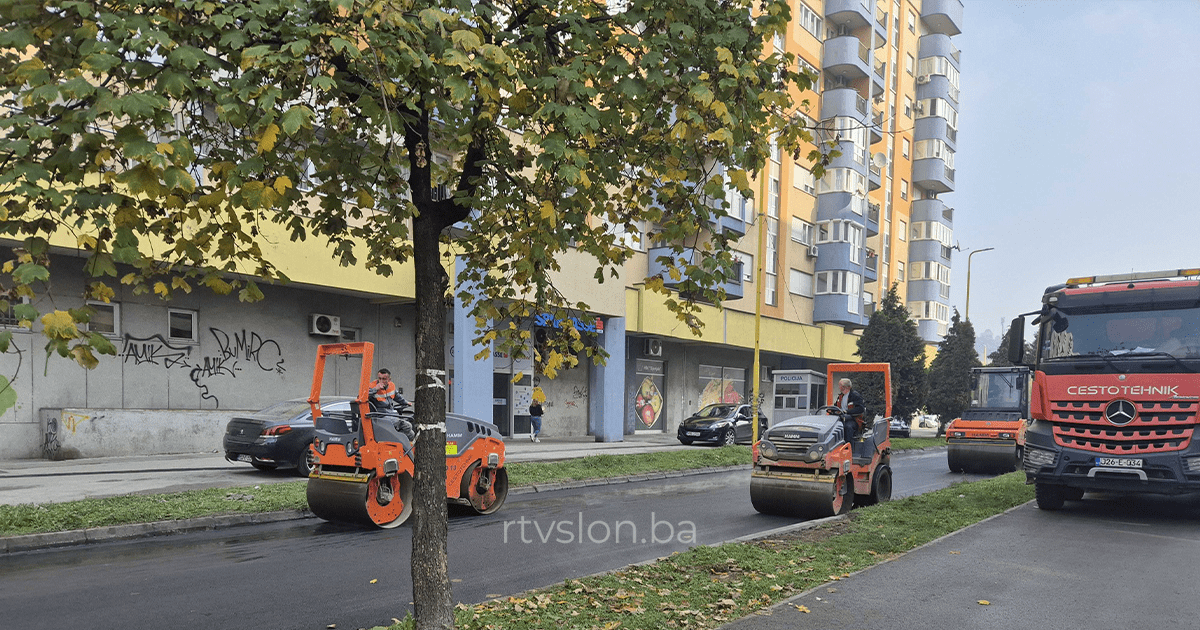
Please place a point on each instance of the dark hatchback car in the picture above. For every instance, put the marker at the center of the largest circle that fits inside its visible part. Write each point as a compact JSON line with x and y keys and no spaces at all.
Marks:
{"x":722,"y":423}
{"x":278,"y":436}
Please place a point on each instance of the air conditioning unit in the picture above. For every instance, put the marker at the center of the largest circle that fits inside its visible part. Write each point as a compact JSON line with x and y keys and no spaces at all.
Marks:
{"x":923,"y":79}
{"x":812,"y":251}
{"x":653,"y":348}
{"x":327,"y":325}
{"x":919,"y":108}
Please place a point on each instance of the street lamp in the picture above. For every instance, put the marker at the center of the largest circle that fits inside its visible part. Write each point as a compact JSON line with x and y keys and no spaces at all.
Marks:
{"x":967,"y":315}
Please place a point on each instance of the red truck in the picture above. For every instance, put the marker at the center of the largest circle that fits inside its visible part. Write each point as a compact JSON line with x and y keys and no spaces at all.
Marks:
{"x":1116,"y":386}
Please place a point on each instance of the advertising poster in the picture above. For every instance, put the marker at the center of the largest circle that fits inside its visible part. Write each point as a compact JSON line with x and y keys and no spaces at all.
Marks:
{"x":648,"y":395}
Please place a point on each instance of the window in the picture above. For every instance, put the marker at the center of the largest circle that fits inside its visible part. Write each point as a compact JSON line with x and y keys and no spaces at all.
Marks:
{"x":905,"y":144}
{"x":810,"y":21}
{"x":106,"y":319}
{"x":904,"y":189}
{"x":635,"y":239}
{"x":940,"y":66}
{"x":902,"y":232}
{"x":803,"y":179}
{"x":927,"y":270}
{"x":351,"y":335}
{"x":800,"y":283}
{"x":934,"y":148}
{"x":838,"y":282}
{"x":940,"y":108}
{"x":8,"y":317}
{"x":932,"y":230}
{"x":908,"y":105}
{"x":910,"y":64}
{"x":747,"y":261}
{"x":899,"y":269}
{"x":912,"y":22}
{"x":802,"y":231}
{"x":842,"y":180}
{"x":181,"y":325}
{"x":740,"y":207}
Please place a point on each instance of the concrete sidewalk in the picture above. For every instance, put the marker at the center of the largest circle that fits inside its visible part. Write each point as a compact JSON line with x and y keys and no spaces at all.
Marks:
{"x":44,"y":481}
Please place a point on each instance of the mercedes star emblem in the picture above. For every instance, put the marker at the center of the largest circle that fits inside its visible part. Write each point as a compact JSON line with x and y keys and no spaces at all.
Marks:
{"x":1120,"y":412}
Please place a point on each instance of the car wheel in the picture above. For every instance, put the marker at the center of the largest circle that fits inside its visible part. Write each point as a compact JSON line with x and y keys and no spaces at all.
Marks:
{"x":685,"y":441}
{"x":728,"y":438}
{"x":263,"y":466}
{"x":304,"y":462}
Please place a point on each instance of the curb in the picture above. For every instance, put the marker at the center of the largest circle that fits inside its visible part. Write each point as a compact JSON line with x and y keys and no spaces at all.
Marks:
{"x":51,"y":540}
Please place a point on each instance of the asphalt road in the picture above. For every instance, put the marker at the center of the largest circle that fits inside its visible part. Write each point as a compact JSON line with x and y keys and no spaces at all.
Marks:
{"x":310,"y":574}
{"x":1107,"y":563}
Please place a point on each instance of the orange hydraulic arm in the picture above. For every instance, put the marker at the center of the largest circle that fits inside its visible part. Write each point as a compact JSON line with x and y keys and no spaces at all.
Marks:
{"x":361,"y":349}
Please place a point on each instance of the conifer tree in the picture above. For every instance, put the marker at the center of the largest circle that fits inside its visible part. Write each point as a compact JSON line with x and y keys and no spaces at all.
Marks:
{"x":950,"y":372}
{"x":891,"y":337}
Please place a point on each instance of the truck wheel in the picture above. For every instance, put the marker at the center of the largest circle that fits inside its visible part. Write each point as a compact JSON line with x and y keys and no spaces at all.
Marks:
{"x":1050,"y":497}
{"x":881,"y":488}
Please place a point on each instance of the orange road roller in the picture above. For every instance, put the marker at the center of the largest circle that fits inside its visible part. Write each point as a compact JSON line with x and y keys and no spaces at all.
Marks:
{"x":363,"y":459}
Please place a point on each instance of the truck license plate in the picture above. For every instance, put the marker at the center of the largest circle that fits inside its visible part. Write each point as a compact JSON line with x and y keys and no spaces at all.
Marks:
{"x":694,"y":433}
{"x":245,"y":458}
{"x":1118,"y":462}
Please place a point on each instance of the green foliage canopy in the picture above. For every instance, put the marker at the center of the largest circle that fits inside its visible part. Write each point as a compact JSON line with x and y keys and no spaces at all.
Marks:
{"x":167,"y":136}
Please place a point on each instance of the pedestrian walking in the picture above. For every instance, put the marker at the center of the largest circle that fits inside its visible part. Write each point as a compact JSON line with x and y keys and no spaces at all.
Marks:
{"x":535,"y":419}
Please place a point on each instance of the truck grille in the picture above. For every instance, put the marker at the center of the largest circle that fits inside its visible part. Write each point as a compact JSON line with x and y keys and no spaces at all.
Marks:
{"x":1159,"y":427}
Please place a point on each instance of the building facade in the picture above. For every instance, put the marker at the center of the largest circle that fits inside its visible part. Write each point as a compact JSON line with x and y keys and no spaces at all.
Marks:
{"x":887,"y":96}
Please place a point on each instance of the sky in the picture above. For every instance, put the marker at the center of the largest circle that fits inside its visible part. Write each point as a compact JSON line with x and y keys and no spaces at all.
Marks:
{"x":1078,"y":147}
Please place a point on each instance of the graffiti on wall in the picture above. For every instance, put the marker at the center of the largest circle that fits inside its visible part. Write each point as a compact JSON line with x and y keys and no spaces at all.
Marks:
{"x":235,"y":352}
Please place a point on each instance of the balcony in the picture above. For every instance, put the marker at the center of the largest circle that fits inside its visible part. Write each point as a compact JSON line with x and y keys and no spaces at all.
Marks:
{"x":933,"y":174}
{"x":835,"y":308}
{"x":656,"y":267}
{"x":943,"y":16}
{"x":871,"y":268}
{"x":844,"y":101}
{"x":846,"y":57}
{"x":872,"y":219}
{"x":875,"y":178}
{"x":876,"y":127}
{"x":935,"y":128}
{"x":852,"y":14}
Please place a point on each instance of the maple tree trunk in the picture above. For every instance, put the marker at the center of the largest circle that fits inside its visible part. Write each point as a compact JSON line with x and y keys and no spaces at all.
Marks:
{"x":432,"y":600}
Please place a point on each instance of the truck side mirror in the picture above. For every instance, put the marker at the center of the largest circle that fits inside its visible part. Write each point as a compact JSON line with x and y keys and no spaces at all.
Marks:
{"x":1016,"y":341}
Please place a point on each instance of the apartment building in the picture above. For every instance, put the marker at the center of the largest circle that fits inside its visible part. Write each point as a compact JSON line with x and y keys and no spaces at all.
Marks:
{"x":887,"y":95}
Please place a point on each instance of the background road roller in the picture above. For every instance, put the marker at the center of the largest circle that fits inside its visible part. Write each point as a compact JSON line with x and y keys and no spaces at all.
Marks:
{"x":805,"y":467}
{"x":363,"y":460}
{"x":990,"y":435}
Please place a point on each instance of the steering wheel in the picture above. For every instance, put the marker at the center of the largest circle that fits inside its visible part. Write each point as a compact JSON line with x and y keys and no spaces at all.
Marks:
{"x":831,"y":410}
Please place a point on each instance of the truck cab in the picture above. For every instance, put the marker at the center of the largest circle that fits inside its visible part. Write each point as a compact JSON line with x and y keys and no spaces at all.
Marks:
{"x":1116,"y":386}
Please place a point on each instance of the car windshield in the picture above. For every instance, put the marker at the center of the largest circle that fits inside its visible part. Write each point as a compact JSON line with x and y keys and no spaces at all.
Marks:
{"x":715,"y":411}
{"x":1173,"y":331}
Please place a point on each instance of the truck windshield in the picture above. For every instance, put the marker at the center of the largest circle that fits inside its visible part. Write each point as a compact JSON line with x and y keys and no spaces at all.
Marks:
{"x":997,"y":390}
{"x":1113,"y":334}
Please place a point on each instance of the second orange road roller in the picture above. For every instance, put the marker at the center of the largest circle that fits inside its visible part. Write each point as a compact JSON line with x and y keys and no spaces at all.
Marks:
{"x":990,"y":435}
{"x":363,"y":459}
{"x":805,"y":466}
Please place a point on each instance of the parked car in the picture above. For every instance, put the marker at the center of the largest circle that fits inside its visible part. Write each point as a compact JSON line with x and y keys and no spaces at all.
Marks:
{"x":278,"y":436}
{"x":722,"y":423}
{"x":899,"y":427}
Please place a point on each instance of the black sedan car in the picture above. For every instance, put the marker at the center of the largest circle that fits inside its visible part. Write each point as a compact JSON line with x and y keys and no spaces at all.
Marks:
{"x":722,"y":423}
{"x":899,"y":427}
{"x":278,"y":436}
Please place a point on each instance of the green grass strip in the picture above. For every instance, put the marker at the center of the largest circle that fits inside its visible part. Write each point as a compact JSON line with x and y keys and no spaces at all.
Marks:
{"x":707,"y":587}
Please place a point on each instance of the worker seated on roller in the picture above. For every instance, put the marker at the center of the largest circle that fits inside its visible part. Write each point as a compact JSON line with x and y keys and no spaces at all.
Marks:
{"x":384,"y":396}
{"x":851,"y":404}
